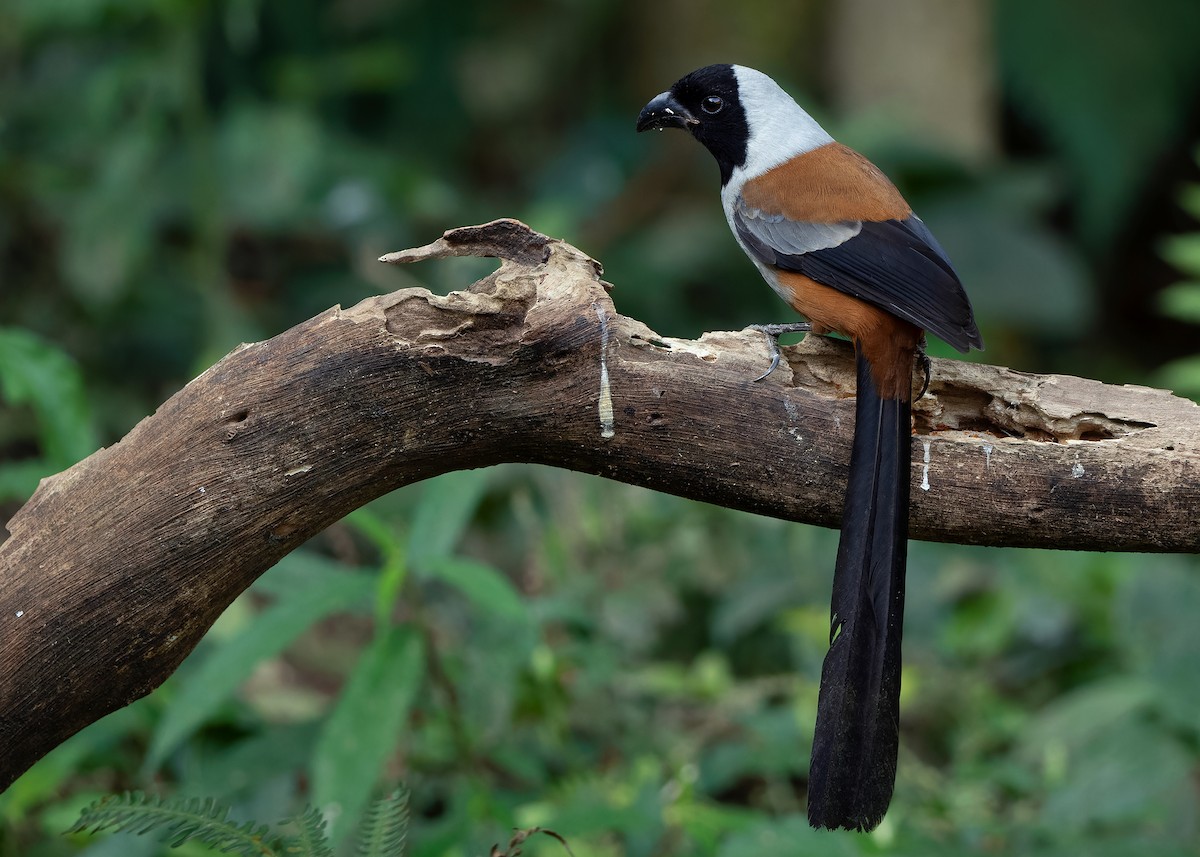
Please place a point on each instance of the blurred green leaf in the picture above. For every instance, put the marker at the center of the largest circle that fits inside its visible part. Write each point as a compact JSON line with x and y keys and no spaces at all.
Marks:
{"x":39,"y":784}
{"x":1189,"y":198}
{"x":769,"y":743}
{"x":366,"y":725}
{"x":1131,"y":771}
{"x":109,"y":230}
{"x":1182,"y":376}
{"x":251,"y":764}
{"x":122,"y":844}
{"x":272,"y":159}
{"x":631,"y":806}
{"x":394,"y":569}
{"x":1106,"y":79}
{"x":1112,"y":843}
{"x":751,"y":602}
{"x":1007,"y":259}
{"x":489,"y":590}
{"x":19,"y":479}
{"x":305,"y":569}
{"x":1183,"y":251}
{"x":34,"y":372}
{"x":221,"y":671}
{"x":60,"y":14}
{"x":1073,"y":724}
{"x":1159,"y":631}
{"x":1181,"y":301}
{"x":446,"y":506}
{"x":792,"y":837}
{"x":710,"y":823}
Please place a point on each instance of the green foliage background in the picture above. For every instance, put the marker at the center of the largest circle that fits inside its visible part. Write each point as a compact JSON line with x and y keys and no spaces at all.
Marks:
{"x":524,"y":647}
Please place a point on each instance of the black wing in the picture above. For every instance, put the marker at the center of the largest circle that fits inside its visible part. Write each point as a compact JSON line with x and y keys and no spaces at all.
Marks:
{"x":896,"y":265}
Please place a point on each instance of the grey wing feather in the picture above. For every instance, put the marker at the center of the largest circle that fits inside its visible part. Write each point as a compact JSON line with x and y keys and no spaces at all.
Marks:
{"x":773,"y":235}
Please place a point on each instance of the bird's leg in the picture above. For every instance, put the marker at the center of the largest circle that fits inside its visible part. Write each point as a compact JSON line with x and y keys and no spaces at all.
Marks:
{"x":926,"y":367}
{"x":773,"y":332}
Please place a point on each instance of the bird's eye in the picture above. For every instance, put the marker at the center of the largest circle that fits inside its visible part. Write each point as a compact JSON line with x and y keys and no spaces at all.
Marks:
{"x":712,"y":104}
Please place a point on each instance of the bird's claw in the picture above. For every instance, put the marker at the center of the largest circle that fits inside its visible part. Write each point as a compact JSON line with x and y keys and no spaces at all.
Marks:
{"x":773,"y":345}
{"x":927,"y":369}
{"x":773,"y":332}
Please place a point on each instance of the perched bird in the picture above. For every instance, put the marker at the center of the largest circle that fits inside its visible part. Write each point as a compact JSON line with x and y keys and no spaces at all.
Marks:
{"x":836,"y":240}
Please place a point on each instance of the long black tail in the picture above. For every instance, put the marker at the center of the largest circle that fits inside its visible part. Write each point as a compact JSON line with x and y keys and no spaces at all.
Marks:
{"x":853,"y":768}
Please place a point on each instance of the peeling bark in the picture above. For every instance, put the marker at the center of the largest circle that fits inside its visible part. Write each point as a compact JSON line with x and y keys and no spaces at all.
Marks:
{"x":116,"y":567}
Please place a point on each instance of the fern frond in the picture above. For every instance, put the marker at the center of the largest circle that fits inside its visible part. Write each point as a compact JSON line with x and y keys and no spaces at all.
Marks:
{"x":384,"y":827}
{"x":311,"y":840}
{"x":176,"y":820}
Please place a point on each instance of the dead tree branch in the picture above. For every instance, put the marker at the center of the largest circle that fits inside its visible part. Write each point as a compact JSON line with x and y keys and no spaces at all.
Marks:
{"x":116,"y":568}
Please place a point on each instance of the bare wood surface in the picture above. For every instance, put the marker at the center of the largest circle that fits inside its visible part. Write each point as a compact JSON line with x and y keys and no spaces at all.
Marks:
{"x":116,"y":568}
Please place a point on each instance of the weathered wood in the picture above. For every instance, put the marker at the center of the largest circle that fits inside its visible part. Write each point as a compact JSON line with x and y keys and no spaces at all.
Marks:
{"x":115,"y":568}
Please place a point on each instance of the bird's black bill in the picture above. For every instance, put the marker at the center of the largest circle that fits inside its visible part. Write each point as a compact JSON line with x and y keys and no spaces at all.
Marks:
{"x":664,"y":111}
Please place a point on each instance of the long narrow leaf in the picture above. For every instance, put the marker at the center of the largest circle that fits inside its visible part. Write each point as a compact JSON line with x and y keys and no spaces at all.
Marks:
{"x":393,"y":569}
{"x":488,"y":589}
{"x":271,"y":632}
{"x":365,"y":726}
{"x":445,"y":509}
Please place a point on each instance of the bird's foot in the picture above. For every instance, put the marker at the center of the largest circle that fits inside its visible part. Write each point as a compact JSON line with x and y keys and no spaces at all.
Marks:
{"x":926,"y":368}
{"x":773,"y":332}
